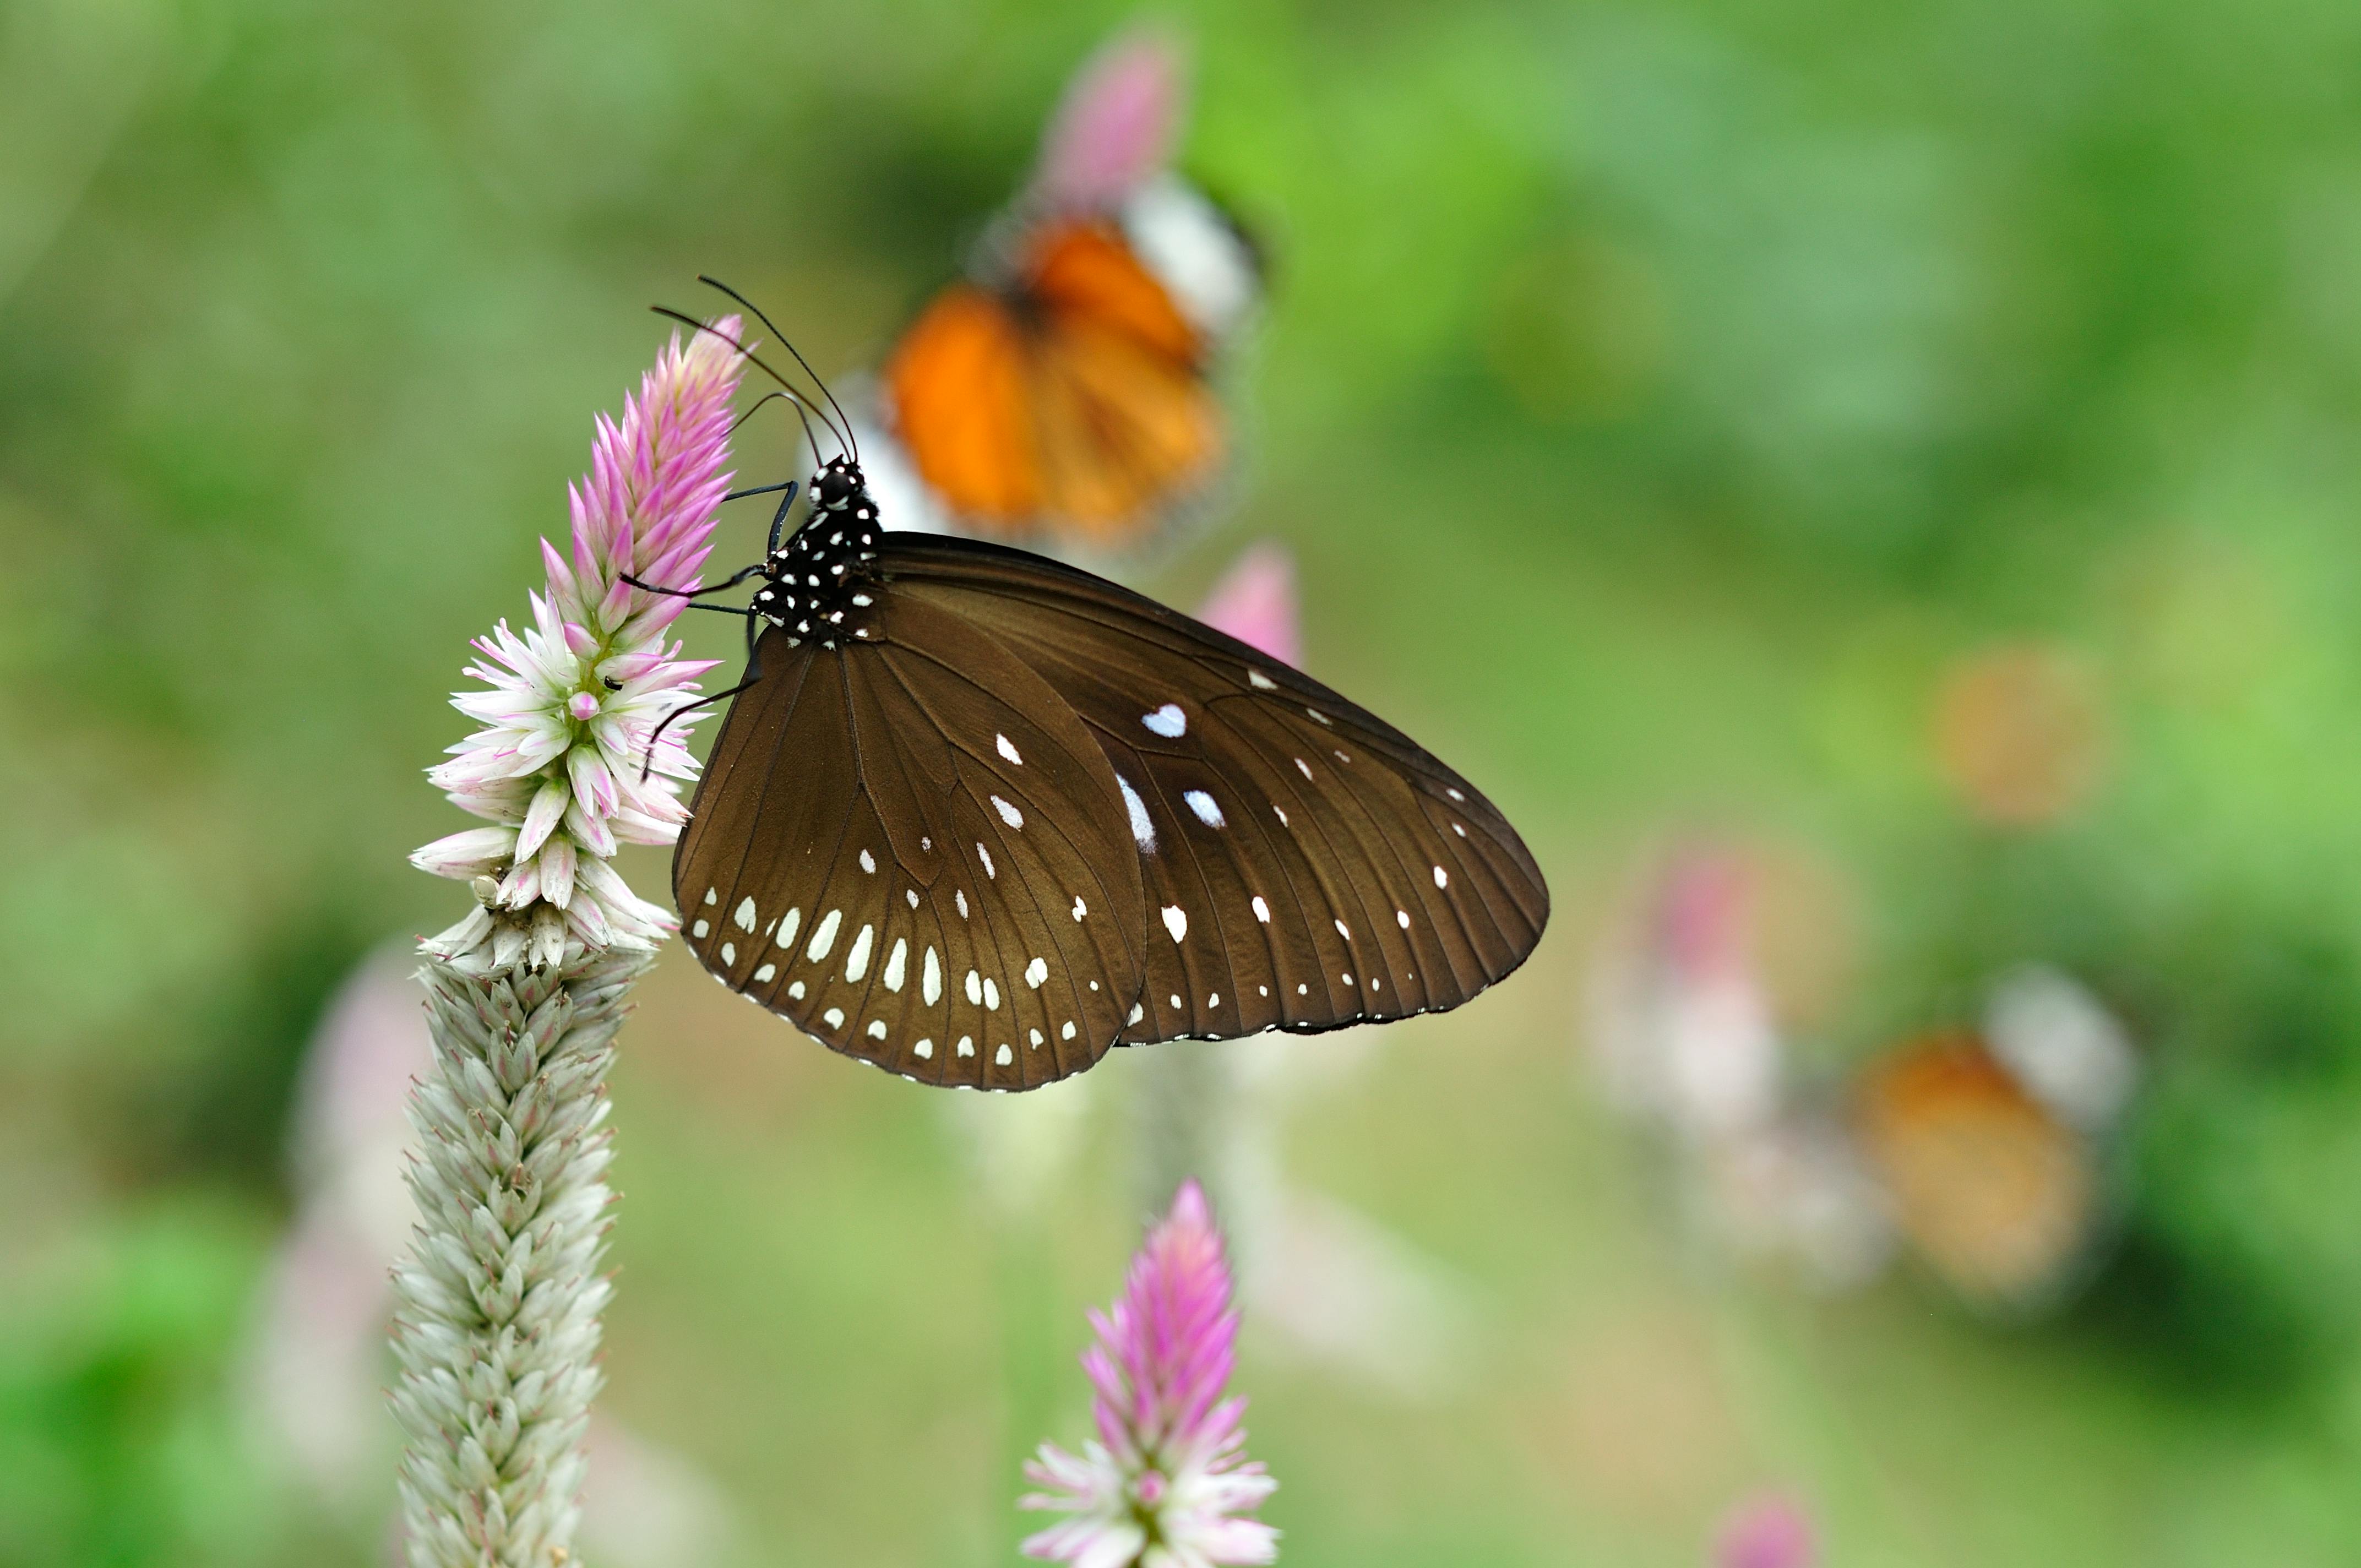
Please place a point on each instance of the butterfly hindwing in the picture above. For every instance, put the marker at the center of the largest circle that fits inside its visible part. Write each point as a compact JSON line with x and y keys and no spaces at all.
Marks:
{"x":905,"y":848}
{"x":1305,"y":865}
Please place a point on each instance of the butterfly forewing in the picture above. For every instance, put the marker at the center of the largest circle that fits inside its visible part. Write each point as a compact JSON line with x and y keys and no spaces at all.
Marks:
{"x":1305,"y":865}
{"x":918,"y":862}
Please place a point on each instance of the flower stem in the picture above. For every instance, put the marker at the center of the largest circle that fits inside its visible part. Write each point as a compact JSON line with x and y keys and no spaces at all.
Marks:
{"x":496,"y":1323}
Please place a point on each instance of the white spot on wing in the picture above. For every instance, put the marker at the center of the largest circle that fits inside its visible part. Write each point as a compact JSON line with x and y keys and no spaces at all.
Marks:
{"x":1317,"y":714}
{"x":931,"y":987}
{"x":824,"y":934}
{"x":1036,"y":972}
{"x":856,"y":962}
{"x":1035,"y":1037}
{"x":713,"y":895}
{"x":1261,"y":681}
{"x":764,"y":975}
{"x":990,"y":996}
{"x":1401,"y":918}
{"x":1176,"y":920}
{"x":925,"y":1049}
{"x":1342,"y":931}
{"x":1167,"y":722}
{"x":894,"y":963}
{"x":912,"y":895}
{"x":1142,"y":828}
{"x":701,"y":928}
{"x":989,"y":870}
{"x":745,"y":914}
{"x":1009,"y":815}
{"x":959,"y":895}
{"x":1081,"y":908}
{"x":834,"y":1018}
{"x":1008,"y":749}
{"x":1304,"y":767}
{"x":789,"y":923}
{"x":974,"y":989}
{"x":1068,"y":1032}
{"x":729,"y":952}
{"x":1002,"y":1056}
{"x":1442,"y":878}
{"x":967,"y":1045}
{"x":868,"y":863}
{"x":1262,"y":910}
{"x":877,"y":1028}
{"x":1208,"y":810}
{"x":1137,"y":1012}
{"x":1280,"y":812}
{"x":1455,"y":794}
{"x":795,"y":991}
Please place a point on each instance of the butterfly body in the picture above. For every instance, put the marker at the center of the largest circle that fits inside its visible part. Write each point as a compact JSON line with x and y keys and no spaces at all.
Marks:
{"x":1003,"y":815}
{"x":822,"y":583}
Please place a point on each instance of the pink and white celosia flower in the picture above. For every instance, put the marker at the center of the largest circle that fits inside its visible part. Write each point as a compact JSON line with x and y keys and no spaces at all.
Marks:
{"x":561,"y":764}
{"x":1166,"y":1484}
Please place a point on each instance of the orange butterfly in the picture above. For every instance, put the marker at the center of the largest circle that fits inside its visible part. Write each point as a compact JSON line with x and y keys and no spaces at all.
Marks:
{"x":1999,"y":1194}
{"x":1060,"y":390}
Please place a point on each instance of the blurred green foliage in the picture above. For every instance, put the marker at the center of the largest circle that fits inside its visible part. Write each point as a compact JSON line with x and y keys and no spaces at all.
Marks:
{"x":1660,"y":395}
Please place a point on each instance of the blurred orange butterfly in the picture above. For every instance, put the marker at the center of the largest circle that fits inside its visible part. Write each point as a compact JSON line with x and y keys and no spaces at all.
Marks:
{"x":1999,"y":1193}
{"x":1060,"y":391}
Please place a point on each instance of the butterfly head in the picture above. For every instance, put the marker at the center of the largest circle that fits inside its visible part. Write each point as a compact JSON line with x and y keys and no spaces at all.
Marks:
{"x":840,"y":485}
{"x":822,"y":583}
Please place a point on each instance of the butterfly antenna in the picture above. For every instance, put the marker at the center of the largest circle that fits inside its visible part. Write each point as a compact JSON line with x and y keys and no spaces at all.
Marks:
{"x":788,"y":344}
{"x":788,"y":387}
{"x":793,"y":403}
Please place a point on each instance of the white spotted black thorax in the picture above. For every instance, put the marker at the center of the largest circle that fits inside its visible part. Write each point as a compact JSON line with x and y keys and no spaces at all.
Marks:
{"x":823,"y":582}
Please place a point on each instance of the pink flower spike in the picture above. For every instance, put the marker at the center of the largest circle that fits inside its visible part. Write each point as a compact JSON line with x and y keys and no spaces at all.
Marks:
{"x":556,"y":761}
{"x":1166,"y":1483}
{"x":1114,"y":128}
{"x":1255,"y":602}
{"x":1768,"y":1531}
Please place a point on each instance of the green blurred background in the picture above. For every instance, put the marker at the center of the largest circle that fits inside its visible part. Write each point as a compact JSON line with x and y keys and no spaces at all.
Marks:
{"x":1661,"y":396}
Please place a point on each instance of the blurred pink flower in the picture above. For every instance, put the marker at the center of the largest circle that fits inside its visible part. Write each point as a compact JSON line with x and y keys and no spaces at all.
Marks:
{"x":1769,"y":1531}
{"x":575,"y":699}
{"x":1680,"y":1020}
{"x":1255,"y":602}
{"x":1114,"y":129}
{"x":1166,"y":1484}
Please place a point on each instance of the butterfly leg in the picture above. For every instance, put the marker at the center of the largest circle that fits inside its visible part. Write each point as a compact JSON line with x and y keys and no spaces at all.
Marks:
{"x":736,"y":578}
{"x":787,"y":485}
{"x":779,"y":518}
